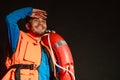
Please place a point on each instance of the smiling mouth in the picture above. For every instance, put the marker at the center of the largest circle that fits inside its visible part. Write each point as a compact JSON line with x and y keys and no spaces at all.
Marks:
{"x":40,"y":27}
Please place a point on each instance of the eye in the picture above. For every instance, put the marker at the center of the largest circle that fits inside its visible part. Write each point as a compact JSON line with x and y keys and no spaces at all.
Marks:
{"x":35,"y":20}
{"x":44,"y":21}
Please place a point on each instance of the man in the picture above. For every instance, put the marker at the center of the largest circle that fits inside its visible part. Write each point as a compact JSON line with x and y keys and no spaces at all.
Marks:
{"x":31,"y":58}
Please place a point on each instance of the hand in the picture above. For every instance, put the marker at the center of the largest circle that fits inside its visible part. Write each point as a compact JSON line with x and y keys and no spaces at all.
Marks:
{"x":37,"y":13}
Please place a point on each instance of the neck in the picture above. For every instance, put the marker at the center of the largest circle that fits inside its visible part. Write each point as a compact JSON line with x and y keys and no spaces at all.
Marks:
{"x":35,"y":36}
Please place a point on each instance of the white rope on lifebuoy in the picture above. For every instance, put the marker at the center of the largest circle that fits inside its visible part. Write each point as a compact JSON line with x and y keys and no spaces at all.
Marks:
{"x":66,"y":69}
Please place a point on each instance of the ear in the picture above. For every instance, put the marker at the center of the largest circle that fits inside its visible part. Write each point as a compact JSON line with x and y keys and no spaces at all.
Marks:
{"x":27,"y":26}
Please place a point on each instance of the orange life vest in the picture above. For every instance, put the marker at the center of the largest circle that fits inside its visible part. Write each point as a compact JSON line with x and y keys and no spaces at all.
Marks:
{"x":27,"y":52}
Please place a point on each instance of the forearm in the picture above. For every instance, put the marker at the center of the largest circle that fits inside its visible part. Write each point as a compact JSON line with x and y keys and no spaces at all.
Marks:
{"x":15,"y":16}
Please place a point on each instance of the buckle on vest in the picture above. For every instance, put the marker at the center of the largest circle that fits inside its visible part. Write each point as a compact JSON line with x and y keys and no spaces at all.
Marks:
{"x":33,"y":67}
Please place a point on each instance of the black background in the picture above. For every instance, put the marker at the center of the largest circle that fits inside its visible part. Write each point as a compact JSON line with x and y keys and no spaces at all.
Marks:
{"x":90,"y":27}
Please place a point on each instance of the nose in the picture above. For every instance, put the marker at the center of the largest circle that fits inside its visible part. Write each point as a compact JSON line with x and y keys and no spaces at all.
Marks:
{"x":40,"y":21}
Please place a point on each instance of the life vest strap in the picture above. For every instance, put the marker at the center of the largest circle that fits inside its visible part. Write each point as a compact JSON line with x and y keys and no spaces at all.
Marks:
{"x":24,"y":66}
{"x":21,"y":66}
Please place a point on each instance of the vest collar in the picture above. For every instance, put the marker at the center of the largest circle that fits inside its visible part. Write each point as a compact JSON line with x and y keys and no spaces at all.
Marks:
{"x":35,"y":40}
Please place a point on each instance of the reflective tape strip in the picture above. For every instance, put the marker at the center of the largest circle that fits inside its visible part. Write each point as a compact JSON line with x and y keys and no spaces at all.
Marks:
{"x":60,"y":43}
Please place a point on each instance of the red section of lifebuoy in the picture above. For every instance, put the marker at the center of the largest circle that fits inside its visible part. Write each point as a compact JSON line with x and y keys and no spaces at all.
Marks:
{"x":63,"y":53}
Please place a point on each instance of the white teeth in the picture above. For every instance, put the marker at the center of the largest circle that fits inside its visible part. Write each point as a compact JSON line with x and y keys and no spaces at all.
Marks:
{"x":40,"y":27}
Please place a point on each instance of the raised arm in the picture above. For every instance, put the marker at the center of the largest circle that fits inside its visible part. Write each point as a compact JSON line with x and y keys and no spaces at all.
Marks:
{"x":13,"y":29}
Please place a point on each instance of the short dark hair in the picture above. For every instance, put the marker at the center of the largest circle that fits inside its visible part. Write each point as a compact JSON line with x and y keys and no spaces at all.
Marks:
{"x":27,"y":19}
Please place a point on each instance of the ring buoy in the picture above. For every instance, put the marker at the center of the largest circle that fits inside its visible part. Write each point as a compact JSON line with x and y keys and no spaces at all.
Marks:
{"x":63,"y":54}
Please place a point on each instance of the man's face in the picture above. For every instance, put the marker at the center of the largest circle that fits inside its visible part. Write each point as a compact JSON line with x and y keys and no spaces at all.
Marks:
{"x":37,"y":26}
